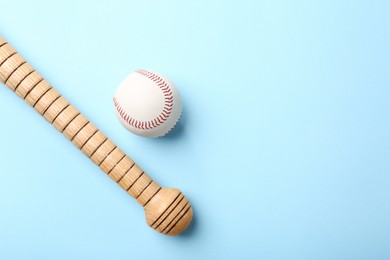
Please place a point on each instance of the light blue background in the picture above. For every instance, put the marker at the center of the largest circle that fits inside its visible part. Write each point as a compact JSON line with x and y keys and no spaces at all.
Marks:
{"x":283,"y":148}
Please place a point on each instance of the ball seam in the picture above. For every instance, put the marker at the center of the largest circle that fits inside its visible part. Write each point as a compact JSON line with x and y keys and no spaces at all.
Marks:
{"x":166,"y":111}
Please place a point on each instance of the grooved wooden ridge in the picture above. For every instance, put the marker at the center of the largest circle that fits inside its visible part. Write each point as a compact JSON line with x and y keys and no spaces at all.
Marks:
{"x":166,"y":209}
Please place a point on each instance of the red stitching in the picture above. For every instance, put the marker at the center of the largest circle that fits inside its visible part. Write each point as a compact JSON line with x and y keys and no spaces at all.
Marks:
{"x":164,"y":115}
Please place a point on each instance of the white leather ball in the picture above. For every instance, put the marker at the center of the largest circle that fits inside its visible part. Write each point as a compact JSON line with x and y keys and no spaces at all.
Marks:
{"x":147,"y":103}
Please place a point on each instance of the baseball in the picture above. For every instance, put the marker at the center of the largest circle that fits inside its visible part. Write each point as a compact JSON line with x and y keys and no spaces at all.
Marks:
{"x":147,"y":104}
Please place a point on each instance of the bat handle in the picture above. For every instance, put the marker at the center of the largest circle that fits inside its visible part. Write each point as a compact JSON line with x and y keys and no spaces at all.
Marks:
{"x":166,"y":210}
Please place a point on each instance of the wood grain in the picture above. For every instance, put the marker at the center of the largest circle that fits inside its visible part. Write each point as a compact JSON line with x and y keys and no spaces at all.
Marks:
{"x":166,"y":210}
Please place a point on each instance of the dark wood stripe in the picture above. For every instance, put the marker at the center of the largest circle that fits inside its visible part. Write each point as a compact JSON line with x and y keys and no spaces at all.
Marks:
{"x":107,"y":155}
{"x":79,"y":131}
{"x":71,"y":121}
{"x":131,"y":167}
{"x":173,"y":219}
{"x":9,"y":76}
{"x":62,"y":110}
{"x":136,"y":180}
{"x":12,"y":54}
{"x":144,"y":189}
{"x":4,"y":43}
{"x":23,"y":79}
{"x":44,"y":111}
{"x":151,"y":197}
{"x":89,"y":138}
{"x":178,"y":196}
{"x":36,"y":84}
{"x":170,"y":212}
{"x":177,"y":221}
{"x":97,"y":148}
{"x":113,"y":167}
{"x":36,"y":102}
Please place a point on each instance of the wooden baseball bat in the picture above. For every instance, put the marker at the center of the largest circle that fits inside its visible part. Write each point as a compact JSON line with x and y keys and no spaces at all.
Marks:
{"x":166,"y":210}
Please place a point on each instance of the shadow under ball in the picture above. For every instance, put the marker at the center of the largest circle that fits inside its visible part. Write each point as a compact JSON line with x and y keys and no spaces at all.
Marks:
{"x":166,"y":209}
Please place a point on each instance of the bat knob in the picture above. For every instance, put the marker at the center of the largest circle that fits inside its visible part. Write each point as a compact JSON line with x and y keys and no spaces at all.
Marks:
{"x":168,"y":212}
